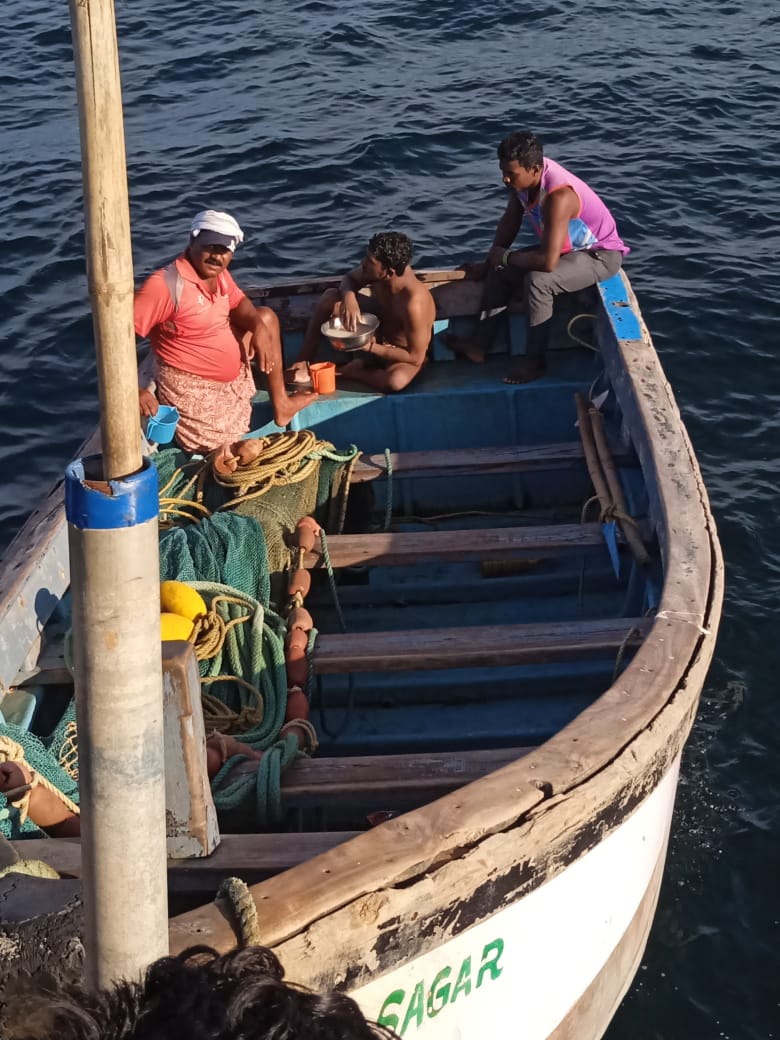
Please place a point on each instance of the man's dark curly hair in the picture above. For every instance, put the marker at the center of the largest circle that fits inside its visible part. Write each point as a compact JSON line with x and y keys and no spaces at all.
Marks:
{"x":392,"y":249}
{"x":522,"y":147}
{"x":201,"y":995}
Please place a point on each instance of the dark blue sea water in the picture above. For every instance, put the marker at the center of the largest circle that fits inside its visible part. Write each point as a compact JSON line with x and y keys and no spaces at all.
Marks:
{"x":318,"y":123}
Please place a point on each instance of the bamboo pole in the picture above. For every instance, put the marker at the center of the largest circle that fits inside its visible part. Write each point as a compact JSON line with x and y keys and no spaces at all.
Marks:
{"x":601,"y":469}
{"x":630,"y":532}
{"x":591,"y":455}
{"x":107,"y":232}
{"x":113,"y":533}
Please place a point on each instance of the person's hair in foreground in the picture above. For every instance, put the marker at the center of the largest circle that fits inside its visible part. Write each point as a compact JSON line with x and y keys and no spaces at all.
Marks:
{"x":202,"y":995}
{"x":392,"y":249}
{"x":521,"y":147}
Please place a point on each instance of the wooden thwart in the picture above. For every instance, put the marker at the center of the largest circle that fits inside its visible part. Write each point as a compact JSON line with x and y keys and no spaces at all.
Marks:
{"x":501,"y":543}
{"x":460,"y":462}
{"x":384,"y":781}
{"x":471,"y":647}
{"x":252,"y":857}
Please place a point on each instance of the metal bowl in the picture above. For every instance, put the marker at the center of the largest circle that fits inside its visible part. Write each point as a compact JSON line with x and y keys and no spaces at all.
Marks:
{"x":342,"y":339}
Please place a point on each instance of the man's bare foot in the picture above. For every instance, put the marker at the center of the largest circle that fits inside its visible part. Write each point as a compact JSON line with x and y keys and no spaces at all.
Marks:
{"x":290,"y":405}
{"x":526,"y":370}
{"x":464,"y":348}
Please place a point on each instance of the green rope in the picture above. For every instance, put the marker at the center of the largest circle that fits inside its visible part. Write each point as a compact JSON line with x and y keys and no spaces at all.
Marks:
{"x":312,"y":637}
{"x":389,"y":493}
{"x":255,"y":652}
{"x":260,"y":790}
{"x":332,"y":579}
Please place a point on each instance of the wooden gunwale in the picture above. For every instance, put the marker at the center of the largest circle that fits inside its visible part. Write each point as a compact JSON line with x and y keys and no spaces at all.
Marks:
{"x":612,"y":755}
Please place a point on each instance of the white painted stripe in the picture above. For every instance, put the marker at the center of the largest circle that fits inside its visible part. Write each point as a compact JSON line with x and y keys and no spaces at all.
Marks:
{"x":555,"y":941}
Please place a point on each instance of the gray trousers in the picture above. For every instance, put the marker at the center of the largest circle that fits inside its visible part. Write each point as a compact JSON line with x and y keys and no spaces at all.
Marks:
{"x":574,"y":271}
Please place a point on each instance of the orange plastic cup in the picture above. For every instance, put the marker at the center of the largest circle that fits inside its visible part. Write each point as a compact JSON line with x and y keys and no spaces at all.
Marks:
{"x":323,"y":376}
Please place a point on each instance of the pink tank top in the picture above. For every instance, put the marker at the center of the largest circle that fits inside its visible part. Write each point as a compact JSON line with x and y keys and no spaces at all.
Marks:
{"x":593,"y":227}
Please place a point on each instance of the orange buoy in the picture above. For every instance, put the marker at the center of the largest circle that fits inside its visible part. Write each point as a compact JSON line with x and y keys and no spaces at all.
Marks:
{"x":247,"y":451}
{"x":220,"y":747}
{"x":297,"y":704}
{"x":310,"y":522}
{"x":297,"y":671}
{"x":305,"y":538}
{"x":295,"y":643}
{"x":301,"y":619}
{"x":299,"y":582}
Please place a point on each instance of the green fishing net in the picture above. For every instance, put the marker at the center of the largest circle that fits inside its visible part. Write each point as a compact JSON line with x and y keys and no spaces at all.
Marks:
{"x":44,"y":756}
{"x":312,"y":479}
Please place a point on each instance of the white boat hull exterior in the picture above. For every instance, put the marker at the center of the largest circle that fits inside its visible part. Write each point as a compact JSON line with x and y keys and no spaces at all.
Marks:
{"x":532,"y":963}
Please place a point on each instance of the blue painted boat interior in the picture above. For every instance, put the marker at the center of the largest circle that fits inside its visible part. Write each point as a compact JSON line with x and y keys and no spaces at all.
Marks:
{"x":452,"y":405}
{"x":455,"y":404}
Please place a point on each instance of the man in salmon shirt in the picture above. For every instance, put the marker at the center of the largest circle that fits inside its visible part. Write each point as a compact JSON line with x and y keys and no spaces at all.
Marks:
{"x":204,"y":333}
{"x":578,"y":246}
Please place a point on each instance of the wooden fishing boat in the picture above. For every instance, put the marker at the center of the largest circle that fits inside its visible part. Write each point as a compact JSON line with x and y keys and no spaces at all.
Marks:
{"x":519,"y":671}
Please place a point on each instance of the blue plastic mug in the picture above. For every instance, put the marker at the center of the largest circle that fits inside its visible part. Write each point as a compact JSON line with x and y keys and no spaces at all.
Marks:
{"x":161,"y":427}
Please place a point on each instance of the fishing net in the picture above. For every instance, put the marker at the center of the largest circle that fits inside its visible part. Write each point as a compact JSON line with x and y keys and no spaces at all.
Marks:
{"x":293,"y":475}
{"x":226,"y":548}
{"x":229,"y":535}
{"x":43,"y":756}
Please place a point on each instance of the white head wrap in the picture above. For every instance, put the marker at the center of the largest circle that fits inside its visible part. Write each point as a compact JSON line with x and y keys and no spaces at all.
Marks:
{"x":216,"y":226}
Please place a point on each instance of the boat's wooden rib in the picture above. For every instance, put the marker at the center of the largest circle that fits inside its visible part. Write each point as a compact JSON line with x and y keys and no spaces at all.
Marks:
{"x":394,"y":548}
{"x":474,"y":461}
{"x":395,"y":781}
{"x":252,"y":856}
{"x":477,"y":646}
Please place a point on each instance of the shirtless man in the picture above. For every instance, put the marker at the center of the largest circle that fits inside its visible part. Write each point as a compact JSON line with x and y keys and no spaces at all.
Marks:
{"x":403,"y":304}
{"x":578,"y":246}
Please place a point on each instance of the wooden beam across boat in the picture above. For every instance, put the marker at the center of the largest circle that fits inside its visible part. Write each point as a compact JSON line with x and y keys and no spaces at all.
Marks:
{"x":478,"y":646}
{"x":395,"y":781}
{"x":253,"y":857}
{"x":391,"y":548}
{"x":506,"y":458}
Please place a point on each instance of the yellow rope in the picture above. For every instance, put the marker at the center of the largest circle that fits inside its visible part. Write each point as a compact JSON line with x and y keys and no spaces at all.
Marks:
{"x":235,"y":903}
{"x":208,"y":636}
{"x":278,"y":463}
{"x":10,"y":751}
{"x":69,"y":752}
{"x":210,"y":630}
{"x":32,"y":868}
{"x":217,"y":715}
{"x":311,"y":733}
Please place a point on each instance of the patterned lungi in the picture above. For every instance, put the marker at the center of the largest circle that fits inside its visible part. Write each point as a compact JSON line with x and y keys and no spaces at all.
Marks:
{"x":210,"y":413}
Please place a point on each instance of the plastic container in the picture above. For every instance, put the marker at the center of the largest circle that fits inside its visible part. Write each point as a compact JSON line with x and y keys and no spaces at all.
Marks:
{"x":160,"y":428}
{"x":323,"y":376}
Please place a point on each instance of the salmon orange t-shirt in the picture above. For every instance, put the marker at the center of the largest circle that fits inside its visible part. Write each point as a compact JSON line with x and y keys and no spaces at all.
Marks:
{"x":196,"y":336}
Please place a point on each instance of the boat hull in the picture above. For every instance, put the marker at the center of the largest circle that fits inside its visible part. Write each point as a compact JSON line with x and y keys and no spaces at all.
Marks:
{"x":527,"y":895}
{"x":589,"y":925}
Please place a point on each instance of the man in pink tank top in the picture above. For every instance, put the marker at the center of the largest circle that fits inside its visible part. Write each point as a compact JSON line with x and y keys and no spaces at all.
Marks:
{"x":578,"y":245}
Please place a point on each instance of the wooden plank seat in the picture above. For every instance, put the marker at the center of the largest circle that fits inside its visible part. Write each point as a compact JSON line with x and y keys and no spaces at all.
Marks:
{"x":383,"y":781}
{"x":465,"y":461}
{"x":252,"y":857}
{"x":479,"y":646}
{"x":391,"y":548}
